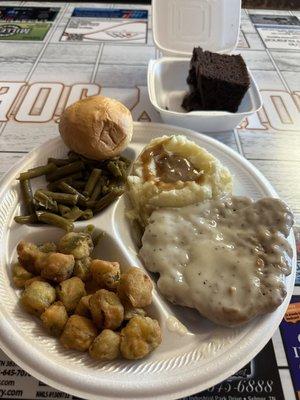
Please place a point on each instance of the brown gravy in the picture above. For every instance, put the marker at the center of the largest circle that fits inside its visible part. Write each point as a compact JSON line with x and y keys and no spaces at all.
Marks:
{"x":170,"y":168}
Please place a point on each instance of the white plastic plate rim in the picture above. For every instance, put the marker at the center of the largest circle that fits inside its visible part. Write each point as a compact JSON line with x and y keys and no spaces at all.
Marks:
{"x":152,"y":66}
{"x":173,"y":385}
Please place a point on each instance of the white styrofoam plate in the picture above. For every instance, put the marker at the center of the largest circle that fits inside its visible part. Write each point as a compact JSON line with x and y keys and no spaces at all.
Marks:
{"x":183,"y":364}
{"x":167,"y":87}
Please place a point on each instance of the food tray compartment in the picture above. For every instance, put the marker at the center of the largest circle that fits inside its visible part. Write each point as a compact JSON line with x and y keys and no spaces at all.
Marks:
{"x":167,"y":87}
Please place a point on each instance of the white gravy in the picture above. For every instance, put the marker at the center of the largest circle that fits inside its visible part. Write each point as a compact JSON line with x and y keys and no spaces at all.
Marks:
{"x":174,"y":325}
{"x":227,"y":258}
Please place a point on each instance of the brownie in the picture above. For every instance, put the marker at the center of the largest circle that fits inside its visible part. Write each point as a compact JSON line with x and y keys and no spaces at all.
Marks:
{"x":192,"y":101}
{"x":217,"y":82}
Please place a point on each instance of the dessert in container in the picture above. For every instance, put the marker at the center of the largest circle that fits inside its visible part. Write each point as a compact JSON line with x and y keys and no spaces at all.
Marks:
{"x":195,"y":353}
{"x":178,"y":27}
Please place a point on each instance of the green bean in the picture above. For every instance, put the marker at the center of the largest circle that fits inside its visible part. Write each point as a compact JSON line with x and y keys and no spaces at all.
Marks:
{"x":56,"y":220}
{"x":38,"y":171}
{"x":107,"y":199}
{"x":75,"y":180}
{"x":98,"y":188}
{"x":124,"y":170}
{"x":45,"y":201}
{"x":66,"y":188}
{"x":72,"y":156}
{"x":114,"y":168}
{"x":27,"y":195}
{"x":105,"y":189}
{"x":52,"y":186}
{"x":63,"y":210}
{"x":64,"y":171}
{"x":88,"y":161}
{"x":91,"y":163}
{"x":68,"y":179}
{"x":97,"y":191}
{"x":110,"y":187}
{"x":26,"y":219}
{"x":90,"y":203}
{"x":87,"y":214}
{"x":59,"y":162}
{"x":63,"y":198}
{"x":92,"y":181}
{"x":74,"y":214}
{"x":78,"y":184}
{"x":125,"y":160}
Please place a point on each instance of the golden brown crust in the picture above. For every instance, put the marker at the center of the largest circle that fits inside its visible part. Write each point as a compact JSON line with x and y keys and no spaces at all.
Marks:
{"x":140,"y":336}
{"x":78,"y":334}
{"x":106,"y":346}
{"x":105,"y":273}
{"x":135,"y":288}
{"x":106,"y":309}
{"x":97,"y":127}
{"x":54,"y":318}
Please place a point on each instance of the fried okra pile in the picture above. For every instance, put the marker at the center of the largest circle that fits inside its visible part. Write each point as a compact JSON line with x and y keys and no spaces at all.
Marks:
{"x":87,"y":303}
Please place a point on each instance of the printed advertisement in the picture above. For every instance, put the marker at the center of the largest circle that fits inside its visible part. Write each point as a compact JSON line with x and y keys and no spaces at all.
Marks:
{"x":28,"y":13}
{"x":278,"y":31}
{"x":26,"y":23}
{"x":23,"y":30}
{"x":297,"y":237}
{"x":108,"y":25}
{"x":254,"y":381}
{"x":290,"y":332}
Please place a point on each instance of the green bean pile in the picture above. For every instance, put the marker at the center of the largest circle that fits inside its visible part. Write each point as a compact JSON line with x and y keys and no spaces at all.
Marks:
{"x":77,"y":189}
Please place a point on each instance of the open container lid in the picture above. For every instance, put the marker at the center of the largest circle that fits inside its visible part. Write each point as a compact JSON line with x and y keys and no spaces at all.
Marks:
{"x":181,"y":25}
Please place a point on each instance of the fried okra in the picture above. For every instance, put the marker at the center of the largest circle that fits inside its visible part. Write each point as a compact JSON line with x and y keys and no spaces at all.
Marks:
{"x":48,"y":247}
{"x":83,"y":307}
{"x":28,"y":256}
{"x":139,"y":337}
{"x":37,"y":297}
{"x":79,"y":333}
{"x":20,"y":275}
{"x":79,"y":244}
{"x":90,"y":301}
{"x":91,"y":286}
{"x":106,"y":346}
{"x":106,"y":309}
{"x":56,"y":267}
{"x":70,"y":292}
{"x":34,"y":279}
{"x":55,"y":318}
{"x":130,"y":312}
{"x":82,"y":268}
{"x":135,"y":287}
{"x":105,"y":273}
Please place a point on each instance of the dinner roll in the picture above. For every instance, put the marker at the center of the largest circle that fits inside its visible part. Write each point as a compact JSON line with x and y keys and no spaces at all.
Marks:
{"x":96,"y":127}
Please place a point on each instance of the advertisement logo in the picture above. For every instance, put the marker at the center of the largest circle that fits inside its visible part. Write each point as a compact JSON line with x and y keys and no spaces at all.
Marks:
{"x":10,"y":30}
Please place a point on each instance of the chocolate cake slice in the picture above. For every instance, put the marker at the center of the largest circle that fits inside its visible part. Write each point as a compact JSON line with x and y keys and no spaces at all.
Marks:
{"x":217,"y":82}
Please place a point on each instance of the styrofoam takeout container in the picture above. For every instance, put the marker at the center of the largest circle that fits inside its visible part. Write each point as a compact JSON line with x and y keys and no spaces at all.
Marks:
{"x":178,"y":27}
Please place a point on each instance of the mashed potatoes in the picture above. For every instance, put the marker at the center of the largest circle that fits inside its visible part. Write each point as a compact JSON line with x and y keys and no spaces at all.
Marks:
{"x":172,"y":171}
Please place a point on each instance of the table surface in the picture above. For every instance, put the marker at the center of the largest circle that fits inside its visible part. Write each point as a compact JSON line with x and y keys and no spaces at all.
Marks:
{"x":269,"y":139}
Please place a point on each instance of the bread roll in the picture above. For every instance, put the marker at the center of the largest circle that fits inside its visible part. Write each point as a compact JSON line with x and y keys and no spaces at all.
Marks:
{"x":96,"y":127}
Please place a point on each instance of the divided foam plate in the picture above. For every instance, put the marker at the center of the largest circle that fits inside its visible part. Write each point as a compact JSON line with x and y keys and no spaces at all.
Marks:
{"x":183,"y":364}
